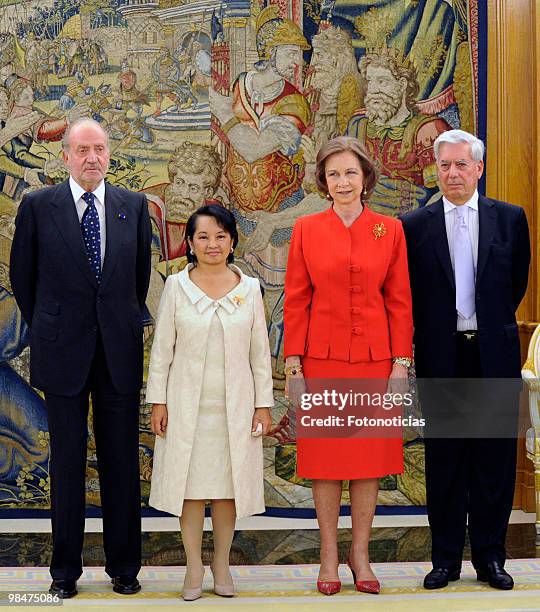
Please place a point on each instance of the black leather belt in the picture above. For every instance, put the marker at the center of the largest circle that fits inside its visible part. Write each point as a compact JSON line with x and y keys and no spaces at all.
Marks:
{"x":468,"y":336}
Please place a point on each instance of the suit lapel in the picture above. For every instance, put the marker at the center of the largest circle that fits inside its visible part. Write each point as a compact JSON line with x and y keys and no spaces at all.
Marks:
{"x":64,"y":214}
{"x":437,"y":229}
{"x":115,"y":222}
{"x":487,"y":216}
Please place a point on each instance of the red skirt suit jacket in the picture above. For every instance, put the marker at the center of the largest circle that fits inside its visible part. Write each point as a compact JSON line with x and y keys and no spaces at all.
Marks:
{"x":347,"y":312}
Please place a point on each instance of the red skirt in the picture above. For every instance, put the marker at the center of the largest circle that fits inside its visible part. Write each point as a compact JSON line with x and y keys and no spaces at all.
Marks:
{"x":352,"y":458}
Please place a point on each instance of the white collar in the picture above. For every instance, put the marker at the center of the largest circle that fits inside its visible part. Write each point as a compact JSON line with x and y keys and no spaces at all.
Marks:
{"x":234,"y":299}
{"x":78,"y":191}
{"x":472,"y":203}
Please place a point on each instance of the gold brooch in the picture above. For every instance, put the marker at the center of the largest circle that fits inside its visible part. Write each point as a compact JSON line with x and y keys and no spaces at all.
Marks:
{"x":238,"y":299}
{"x":379,"y":230}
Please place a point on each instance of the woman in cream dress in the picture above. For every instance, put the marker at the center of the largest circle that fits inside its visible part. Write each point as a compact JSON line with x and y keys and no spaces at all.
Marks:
{"x":210,"y":383}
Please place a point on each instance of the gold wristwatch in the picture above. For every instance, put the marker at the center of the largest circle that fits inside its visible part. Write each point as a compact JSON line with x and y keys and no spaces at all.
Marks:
{"x":293,"y":370}
{"x":404,"y":361}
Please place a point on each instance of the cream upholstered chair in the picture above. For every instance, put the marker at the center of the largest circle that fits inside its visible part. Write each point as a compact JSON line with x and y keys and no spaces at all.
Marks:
{"x":531,"y":376}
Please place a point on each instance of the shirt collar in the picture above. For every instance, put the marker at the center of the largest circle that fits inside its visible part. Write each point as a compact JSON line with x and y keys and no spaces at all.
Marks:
{"x":77,"y":190}
{"x":234,"y":299}
{"x":472,"y":203}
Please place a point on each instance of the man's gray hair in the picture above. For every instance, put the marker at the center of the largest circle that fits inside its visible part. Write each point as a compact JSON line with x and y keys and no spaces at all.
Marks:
{"x":458,"y":136}
{"x":82,"y":121}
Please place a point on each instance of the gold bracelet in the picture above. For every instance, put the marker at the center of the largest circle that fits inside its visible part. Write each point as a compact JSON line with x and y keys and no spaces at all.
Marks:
{"x":404,"y":361}
{"x":293,"y":370}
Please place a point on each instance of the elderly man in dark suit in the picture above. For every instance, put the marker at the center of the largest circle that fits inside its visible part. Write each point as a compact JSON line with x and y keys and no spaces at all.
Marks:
{"x":80,"y":267}
{"x":468,"y":259}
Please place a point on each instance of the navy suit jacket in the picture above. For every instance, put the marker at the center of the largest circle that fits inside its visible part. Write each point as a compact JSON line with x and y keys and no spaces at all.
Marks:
{"x":60,"y":299}
{"x":501,"y":280}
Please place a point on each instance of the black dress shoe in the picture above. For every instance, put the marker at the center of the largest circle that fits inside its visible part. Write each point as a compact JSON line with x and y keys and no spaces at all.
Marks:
{"x":439,"y":577}
{"x":496,"y":575}
{"x":125,"y":585}
{"x":64,"y":589}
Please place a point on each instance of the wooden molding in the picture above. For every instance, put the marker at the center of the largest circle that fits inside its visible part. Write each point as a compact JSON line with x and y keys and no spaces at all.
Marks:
{"x":534,"y":215}
{"x":497,"y":109}
{"x":512,"y":160}
{"x":512,"y":172}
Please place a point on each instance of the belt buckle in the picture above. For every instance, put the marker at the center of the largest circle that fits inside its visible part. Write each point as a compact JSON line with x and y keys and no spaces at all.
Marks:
{"x":469,"y":335}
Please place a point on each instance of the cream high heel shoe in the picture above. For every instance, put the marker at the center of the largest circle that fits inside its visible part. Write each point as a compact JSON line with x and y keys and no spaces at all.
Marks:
{"x":193,"y":593}
{"x":221,"y":589}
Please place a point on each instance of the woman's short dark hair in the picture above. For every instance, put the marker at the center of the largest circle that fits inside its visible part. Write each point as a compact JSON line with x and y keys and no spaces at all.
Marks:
{"x":339,"y":145}
{"x":224,"y":218}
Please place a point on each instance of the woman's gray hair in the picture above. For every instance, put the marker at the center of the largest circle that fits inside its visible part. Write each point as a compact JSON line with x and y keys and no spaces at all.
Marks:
{"x":458,"y":136}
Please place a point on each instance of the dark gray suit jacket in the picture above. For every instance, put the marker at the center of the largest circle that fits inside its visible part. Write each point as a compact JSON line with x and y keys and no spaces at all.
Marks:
{"x":503,"y":263}
{"x":60,"y":299}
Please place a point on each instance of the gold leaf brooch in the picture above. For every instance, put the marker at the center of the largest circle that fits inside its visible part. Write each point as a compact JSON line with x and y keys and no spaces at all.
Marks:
{"x":379,"y":230}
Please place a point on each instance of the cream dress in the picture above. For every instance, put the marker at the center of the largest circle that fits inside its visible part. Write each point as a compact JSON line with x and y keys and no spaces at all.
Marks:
{"x":210,"y":472}
{"x":210,"y":364}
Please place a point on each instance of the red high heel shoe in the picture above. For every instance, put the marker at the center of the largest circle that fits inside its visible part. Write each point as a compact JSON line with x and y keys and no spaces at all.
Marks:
{"x":365,"y":586}
{"x":329,"y":587}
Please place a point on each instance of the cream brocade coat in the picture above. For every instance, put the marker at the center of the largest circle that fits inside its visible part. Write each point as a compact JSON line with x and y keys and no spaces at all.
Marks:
{"x":175,"y":377}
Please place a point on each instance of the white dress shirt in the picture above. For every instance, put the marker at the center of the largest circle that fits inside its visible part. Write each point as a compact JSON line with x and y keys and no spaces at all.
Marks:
{"x":99,"y":200}
{"x":470,"y":213}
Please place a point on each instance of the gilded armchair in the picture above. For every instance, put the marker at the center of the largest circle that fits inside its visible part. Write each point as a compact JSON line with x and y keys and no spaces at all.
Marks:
{"x":531,"y":376}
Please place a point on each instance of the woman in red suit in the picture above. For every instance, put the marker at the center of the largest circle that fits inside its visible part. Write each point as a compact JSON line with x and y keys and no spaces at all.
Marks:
{"x":347,"y":315}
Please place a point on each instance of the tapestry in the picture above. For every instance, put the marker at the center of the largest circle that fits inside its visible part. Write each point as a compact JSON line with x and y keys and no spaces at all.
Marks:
{"x":223,"y":101}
